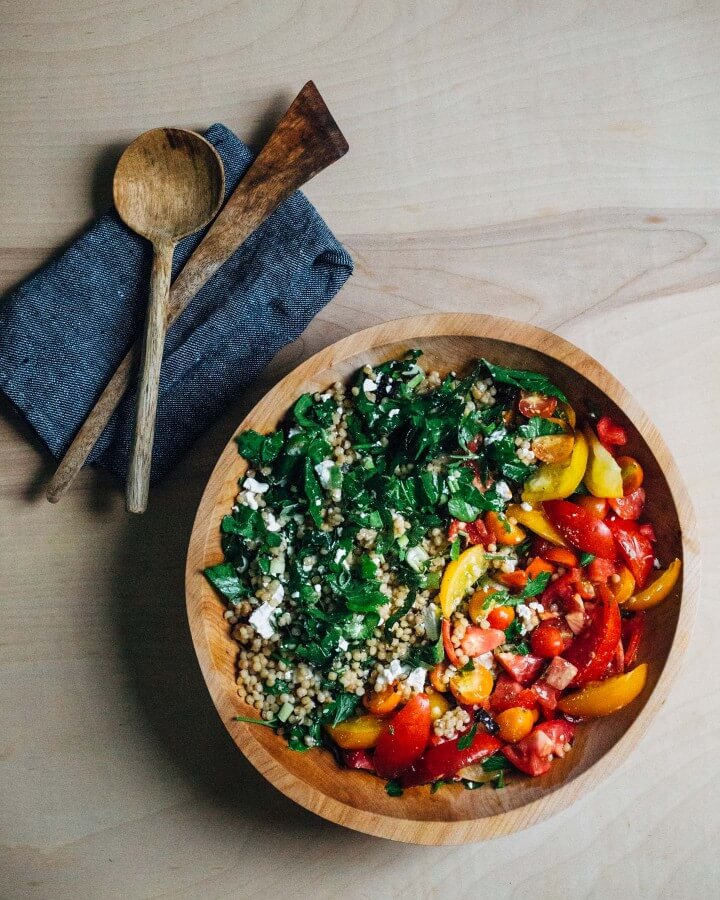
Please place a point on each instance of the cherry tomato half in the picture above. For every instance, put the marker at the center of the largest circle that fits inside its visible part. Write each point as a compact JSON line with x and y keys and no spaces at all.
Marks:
{"x":501,"y":617}
{"x":405,"y":738}
{"x":533,"y":403}
{"x":610,"y":434}
{"x":632,"y":473}
{"x":581,"y":528}
{"x":547,"y":640}
{"x":630,"y":506}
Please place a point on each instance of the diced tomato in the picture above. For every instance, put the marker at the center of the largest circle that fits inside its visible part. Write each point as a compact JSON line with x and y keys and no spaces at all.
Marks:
{"x":591,"y":650}
{"x":631,"y":506}
{"x":450,"y":650}
{"x":559,"y":673}
{"x":481,"y":640}
{"x":596,"y":506}
{"x":562,"y":590}
{"x":474,"y":443}
{"x":402,"y":743}
{"x":453,"y":529}
{"x":533,"y":403}
{"x":581,"y":528}
{"x":649,"y":531}
{"x":610,"y":434}
{"x":445,"y":760}
{"x":476,"y":532}
{"x":523,"y":669}
{"x":514,"y":581}
{"x":508,"y":693}
{"x":358,"y":759}
{"x":632,"y":632}
{"x":599,"y":571}
{"x":532,"y":754}
{"x":546,"y":696}
{"x":561,"y":556}
{"x":547,"y":640}
{"x":635,"y":547}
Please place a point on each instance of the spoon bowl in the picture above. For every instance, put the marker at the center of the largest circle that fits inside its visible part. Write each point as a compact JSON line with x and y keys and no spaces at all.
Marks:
{"x":168,"y":184}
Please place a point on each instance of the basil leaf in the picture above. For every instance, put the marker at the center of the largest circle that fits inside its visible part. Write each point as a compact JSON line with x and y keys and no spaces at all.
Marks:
{"x":536,"y":585}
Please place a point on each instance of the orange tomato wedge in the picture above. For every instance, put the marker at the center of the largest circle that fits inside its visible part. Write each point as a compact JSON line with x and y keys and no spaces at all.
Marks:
{"x":555,"y":481}
{"x":537,"y":521}
{"x":601,"y":698}
{"x":439,"y":704}
{"x":657,"y":591}
{"x":459,"y":576}
{"x":357,"y":734}
{"x":382,"y":703}
{"x":553,"y":448}
{"x":623,"y":589}
{"x":502,"y":531}
{"x":472,"y":687}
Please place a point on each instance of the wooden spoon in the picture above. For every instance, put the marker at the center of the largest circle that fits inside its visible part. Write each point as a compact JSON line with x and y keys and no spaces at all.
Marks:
{"x":168,"y":184}
{"x":305,"y":141}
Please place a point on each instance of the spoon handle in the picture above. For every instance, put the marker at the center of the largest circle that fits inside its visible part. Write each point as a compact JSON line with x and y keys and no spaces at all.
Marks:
{"x":138,"y":480}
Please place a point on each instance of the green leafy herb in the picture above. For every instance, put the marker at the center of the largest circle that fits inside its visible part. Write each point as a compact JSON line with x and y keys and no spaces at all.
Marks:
{"x":224,"y":578}
{"x":341,"y":708}
{"x":465,"y":740}
{"x":529,"y":381}
{"x":436,"y":785}
{"x":251,"y":721}
{"x":469,"y":666}
{"x":393,"y":788}
{"x":536,"y":585}
{"x":495,"y":763}
{"x":455,"y":548}
{"x":586,"y":558}
{"x":403,"y":611}
{"x":537,"y":427}
{"x":499,"y":781}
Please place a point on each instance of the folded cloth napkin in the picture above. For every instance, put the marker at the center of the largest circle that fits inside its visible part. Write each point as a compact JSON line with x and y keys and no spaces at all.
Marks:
{"x":64,"y":331}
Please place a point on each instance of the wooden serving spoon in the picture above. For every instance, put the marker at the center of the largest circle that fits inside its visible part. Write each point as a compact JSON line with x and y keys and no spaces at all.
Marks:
{"x":305,"y":141}
{"x":168,"y":184}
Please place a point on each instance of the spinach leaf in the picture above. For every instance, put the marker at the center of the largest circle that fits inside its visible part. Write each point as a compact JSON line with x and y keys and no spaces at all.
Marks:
{"x":529,"y":381}
{"x":224,"y":579}
{"x":250,"y":445}
{"x":537,"y":427}
{"x":403,"y":611}
{"x":340,"y":709}
{"x":313,"y":493}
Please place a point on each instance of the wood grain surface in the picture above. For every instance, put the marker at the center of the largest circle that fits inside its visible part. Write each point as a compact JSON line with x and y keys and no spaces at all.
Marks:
{"x":562,"y":157}
{"x":450,"y":342}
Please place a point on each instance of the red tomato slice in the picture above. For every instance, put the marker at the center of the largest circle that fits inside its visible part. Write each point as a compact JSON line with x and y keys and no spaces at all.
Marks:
{"x":523,"y":669}
{"x":591,"y":650}
{"x":358,"y":759}
{"x":537,"y":404}
{"x":547,"y":697}
{"x":405,"y":738}
{"x":600,"y":570}
{"x":450,"y":650}
{"x":610,"y":434}
{"x":532,"y":754}
{"x":508,"y":694}
{"x":632,"y":632}
{"x":581,"y":528}
{"x":649,"y":531}
{"x":562,"y":590}
{"x":629,"y":507}
{"x":635,"y":548}
{"x":474,"y":532}
{"x":481,"y":640}
{"x":445,"y":760}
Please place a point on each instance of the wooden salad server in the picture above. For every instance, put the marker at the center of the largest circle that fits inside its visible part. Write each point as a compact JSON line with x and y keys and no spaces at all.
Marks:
{"x":305,"y":141}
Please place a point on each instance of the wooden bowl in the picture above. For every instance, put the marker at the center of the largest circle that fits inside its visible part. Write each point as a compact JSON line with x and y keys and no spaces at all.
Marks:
{"x":452,"y":815}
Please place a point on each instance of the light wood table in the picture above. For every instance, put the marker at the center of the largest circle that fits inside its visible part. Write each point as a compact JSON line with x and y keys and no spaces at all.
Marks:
{"x":565,"y":156}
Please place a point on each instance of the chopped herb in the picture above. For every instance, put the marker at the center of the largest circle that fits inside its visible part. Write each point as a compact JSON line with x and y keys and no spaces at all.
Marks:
{"x":536,"y":585}
{"x":495,"y":763}
{"x":251,"y":721}
{"x":393,"y":788}
{"x":586,"y":558}
{"x":529,"y":381}
{"x":465,"y":740}
{"x":436,"y":785}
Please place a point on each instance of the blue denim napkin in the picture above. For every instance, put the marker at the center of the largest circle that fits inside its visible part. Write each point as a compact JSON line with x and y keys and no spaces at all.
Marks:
{"x":64,"y":331}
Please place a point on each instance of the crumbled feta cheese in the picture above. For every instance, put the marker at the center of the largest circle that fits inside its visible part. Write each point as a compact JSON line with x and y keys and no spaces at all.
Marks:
{"x":343,"y":644}
{"x":326,"y":396}
{"x":261,"y":620}
{"x":271,"y":523}
{"x":393,"y":412}
{"x":487,"y":660}
{"x":525,"y":506}
{"x":247,"y":498}
{"x":257,"y":487}
{"x":277,"y":566}
{"x":318,"y":589}
{"x":527,"y":617}
{"x":538,"y":607}
{"x":340,"y":555}
{"x":309,"y":563}
{"x":503,"y":490}
{"x":495,"y":436}
{"x":416,"y":679}
{"x":293,"y":431}
{"x":369,"y":386}
{"x":323,"y":470}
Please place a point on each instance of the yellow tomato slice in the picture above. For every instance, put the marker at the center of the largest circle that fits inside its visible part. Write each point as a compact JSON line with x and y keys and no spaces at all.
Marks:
{"x":472,"y":687}
{"x":657,"y":591}
{"x":601,"y":698}
{"x":439,"y":704}
{"x":459,"y":576}
{"x":603,"y":477}
{"x":538,"y":522}
{"x":357,"y":734}
{"x":555,"y":481}
{"x":623,"y":589}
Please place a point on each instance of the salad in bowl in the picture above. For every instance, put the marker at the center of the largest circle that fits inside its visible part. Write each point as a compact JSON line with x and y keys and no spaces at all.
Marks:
{"x":437,"y":579}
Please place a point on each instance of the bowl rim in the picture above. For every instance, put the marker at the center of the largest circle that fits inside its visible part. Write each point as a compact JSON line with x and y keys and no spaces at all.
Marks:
{"x":433,"y":832}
